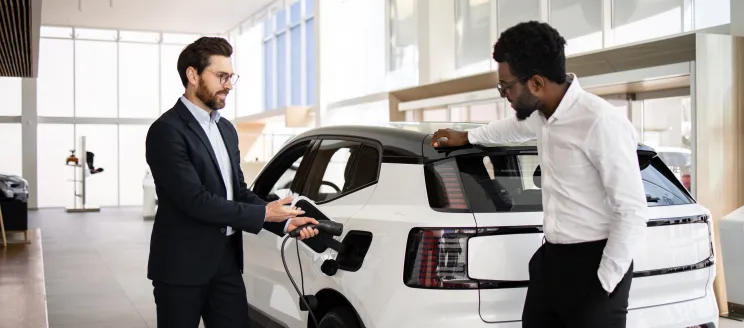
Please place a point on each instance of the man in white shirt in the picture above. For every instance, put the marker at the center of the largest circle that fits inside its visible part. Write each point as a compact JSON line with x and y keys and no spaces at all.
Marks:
{"x":592,"y":192}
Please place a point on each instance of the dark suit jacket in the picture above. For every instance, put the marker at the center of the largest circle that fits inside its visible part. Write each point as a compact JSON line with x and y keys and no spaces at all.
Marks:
{"x":188,"y":235}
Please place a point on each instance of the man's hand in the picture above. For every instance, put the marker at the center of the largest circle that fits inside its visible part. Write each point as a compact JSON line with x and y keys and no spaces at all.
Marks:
{"x":454,"y":138}
{"x":306,"y":232}
{"x":277,"y":212}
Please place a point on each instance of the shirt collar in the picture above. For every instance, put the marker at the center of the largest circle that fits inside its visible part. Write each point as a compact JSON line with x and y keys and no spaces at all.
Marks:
{"x":200,"y":114}
{"x":571,"y":96}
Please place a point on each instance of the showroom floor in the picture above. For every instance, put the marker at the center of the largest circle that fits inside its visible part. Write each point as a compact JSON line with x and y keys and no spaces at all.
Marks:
{"x":96,"y":266}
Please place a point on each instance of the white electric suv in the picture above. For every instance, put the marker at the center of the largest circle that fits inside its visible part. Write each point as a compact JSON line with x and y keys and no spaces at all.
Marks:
{"x":442,"y":238}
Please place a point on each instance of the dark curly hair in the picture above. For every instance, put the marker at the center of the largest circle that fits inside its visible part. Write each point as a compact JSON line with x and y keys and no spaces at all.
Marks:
{"x":532,"y":48}
{"x":197,"y":55}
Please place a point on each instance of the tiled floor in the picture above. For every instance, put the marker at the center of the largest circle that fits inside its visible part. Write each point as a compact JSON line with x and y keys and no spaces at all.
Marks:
{"x":96,"y":266}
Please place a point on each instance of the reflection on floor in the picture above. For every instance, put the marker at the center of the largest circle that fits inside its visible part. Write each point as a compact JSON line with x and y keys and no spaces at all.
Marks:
{"x":22,"y":296}
{"x":96,"y":267}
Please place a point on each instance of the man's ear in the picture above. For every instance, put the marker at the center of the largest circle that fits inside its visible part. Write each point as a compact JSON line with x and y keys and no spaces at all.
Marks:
{"x":536,"y":84}
{"x":191,"y":75}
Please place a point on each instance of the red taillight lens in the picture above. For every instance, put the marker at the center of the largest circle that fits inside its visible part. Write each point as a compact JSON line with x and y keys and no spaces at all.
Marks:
{"x":437,"y":258}
{"x":444,"y":187}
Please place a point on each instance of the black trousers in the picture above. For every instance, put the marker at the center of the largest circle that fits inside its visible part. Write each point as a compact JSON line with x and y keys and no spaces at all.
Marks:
{"x":222,"y":303}
{"x":565,"y":291}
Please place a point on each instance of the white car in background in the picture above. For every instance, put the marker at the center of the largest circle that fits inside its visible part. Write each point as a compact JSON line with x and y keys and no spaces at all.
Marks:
{"x":442,"y":238}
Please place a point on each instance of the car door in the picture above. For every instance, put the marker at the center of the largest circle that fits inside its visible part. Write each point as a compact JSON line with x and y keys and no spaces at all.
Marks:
{"x":267,"y":286}
{"x":340,"y":181}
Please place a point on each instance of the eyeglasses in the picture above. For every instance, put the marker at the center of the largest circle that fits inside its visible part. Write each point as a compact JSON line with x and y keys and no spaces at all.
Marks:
{"x":502,"y":87}
{"x":224,"y":77}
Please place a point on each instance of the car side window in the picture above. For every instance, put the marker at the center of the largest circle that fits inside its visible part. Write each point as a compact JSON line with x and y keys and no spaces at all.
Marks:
{"x":340,"y":167}
{"x":662,"y":187}
{"x":282,"y":187}
{"x":277,"y":179}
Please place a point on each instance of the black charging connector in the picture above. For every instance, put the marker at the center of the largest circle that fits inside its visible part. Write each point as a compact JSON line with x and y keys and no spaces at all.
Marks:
{"x":310,"y":302}
{"x":327,"y":226}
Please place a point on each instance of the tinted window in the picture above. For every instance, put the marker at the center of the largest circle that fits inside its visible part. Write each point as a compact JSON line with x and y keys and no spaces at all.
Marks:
{"x":277,"y":178}
{"x":340,"y":167}
{"x":282,"y":187}
{"x":512,"y":183}
{"x":662,"y":187}
{"x":501,"y":183}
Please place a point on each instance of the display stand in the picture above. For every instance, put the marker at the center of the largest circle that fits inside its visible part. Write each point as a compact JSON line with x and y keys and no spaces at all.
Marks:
{"x":81,"y":205}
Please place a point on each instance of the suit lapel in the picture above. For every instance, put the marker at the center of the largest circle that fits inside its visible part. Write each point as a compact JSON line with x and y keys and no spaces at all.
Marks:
{"x":199,"y":131}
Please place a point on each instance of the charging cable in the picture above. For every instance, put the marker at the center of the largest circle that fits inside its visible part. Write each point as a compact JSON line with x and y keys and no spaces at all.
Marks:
{"x":324,"y":226}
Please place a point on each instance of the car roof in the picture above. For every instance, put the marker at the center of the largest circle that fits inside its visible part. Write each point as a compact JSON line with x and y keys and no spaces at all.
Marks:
{"x":412,"y":139}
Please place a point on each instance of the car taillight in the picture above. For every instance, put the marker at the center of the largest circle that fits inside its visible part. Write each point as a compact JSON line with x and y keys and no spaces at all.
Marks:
{"x":437,"y":258}
{"x":444,"y":186}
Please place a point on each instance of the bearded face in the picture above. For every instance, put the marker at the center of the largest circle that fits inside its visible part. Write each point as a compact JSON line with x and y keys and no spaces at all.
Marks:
{"x":213,"y":95}
{"x":525,"y":104}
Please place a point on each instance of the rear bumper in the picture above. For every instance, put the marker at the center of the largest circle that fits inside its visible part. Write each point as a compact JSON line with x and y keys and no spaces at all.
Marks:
{"x":684,"y":314}
{"x":410,"y":308}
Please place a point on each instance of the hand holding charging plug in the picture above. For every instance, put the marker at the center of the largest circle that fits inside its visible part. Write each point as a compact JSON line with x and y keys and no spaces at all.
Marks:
{"x":302,"y":228}
{"x":277,"y":211}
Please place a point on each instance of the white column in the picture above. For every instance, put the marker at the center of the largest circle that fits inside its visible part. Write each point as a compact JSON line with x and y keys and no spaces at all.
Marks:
{"x":320,"y":108}
{"x":737,"y":24}
{"x":29,"y":138}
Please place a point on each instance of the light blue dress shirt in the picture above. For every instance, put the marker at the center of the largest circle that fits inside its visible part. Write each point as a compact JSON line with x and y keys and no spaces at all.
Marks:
{"x":208,"y":122}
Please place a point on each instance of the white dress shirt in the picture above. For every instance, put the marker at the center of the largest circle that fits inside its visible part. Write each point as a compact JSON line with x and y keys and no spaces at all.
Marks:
{"x":591,"y":180}
{"x":208,"y":122}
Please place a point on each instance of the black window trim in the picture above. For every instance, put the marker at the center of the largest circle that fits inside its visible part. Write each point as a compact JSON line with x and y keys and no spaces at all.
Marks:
{"x":364,"y":142}
{"x":302,"y":170}
{"x":667,"y":173}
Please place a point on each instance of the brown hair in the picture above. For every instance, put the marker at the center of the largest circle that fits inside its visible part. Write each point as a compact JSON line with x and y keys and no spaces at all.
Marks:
{"x":197,"y":55}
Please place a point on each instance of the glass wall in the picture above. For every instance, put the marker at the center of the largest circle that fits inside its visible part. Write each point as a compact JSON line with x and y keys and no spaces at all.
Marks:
{"x":56,"y":185}
{"x":11,"y":161}
{"x":667,"y":127}
{"x":580,"y":23}
{"x":403,"y":45}
{"x":119,"y":81}
{"x":289,"y":55}
{"x":472,"y":32}
{"x":512,"y":12}
{"x":637,"y":20}
{"x":10,"y":93}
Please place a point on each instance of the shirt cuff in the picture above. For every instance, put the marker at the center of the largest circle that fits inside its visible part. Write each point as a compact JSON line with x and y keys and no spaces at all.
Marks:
{"x":608,"y":278}
{"x":471,"y":138}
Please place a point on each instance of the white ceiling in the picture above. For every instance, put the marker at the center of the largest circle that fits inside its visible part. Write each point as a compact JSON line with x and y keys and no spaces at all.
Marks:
{"x":187,"y":16}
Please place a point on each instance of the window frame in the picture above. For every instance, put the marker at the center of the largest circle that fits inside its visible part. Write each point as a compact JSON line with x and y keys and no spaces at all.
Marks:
{"x":658,"y":164}
{"x":364,"y":142}
{"x":268,"y":177}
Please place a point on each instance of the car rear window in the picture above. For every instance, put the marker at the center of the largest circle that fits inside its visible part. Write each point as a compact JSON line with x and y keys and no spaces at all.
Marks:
{"x":511,"y":182}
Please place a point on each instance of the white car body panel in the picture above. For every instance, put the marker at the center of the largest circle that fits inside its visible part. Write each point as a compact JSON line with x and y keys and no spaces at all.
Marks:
{"x":398,"y":203}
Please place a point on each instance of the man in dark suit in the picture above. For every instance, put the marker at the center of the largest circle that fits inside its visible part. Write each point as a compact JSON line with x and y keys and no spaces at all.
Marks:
{"x":196,"y":252}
